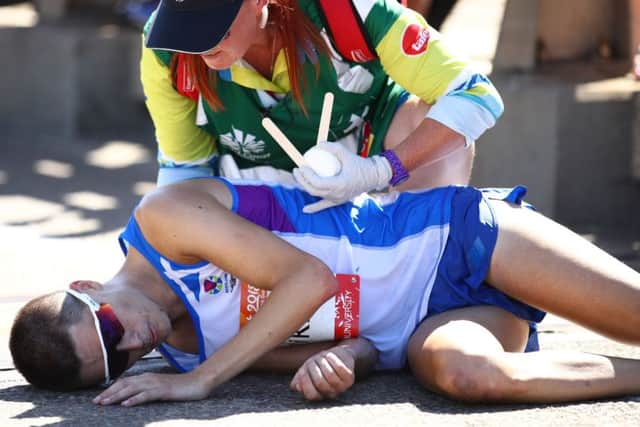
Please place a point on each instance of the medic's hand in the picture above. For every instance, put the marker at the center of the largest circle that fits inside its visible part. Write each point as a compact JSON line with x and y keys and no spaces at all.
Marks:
{"x":325,"y":375}
{"x":357,"y":175}
{"x":134,"y":390}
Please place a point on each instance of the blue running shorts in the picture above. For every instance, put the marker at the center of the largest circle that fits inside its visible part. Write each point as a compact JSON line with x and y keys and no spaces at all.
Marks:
{"x":466,"y":259}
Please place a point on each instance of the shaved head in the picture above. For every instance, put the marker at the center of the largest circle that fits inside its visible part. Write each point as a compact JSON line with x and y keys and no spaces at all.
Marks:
{"x":41,"y":345}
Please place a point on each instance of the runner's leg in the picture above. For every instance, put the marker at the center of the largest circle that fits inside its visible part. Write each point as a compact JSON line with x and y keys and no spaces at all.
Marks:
{"x":473,"y":354}
{"x":544,"y":264}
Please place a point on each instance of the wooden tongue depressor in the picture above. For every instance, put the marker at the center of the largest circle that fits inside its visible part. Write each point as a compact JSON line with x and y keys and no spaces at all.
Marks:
{"x":283,"y":141}
{"x":325,"y":118}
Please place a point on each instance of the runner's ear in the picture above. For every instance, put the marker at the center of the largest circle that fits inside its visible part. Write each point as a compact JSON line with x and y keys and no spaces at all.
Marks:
{"x":85,"y":285}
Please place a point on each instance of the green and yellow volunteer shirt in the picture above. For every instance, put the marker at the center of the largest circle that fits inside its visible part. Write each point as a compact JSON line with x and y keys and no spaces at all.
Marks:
{"x":412,"y":58}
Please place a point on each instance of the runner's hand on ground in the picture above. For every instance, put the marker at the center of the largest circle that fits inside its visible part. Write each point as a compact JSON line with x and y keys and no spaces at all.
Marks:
{"x":325,"y":375}
{"x":149,"y":387}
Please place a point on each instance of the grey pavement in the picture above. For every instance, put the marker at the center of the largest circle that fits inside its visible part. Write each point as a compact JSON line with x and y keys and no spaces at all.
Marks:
{"x":61,"y":207}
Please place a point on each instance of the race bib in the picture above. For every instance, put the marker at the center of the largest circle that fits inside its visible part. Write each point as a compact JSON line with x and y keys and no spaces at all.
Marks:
{"x":336,"y":319}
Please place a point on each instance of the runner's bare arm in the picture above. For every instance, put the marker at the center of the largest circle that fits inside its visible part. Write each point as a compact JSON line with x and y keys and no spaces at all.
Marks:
{"x":290,"y":358}
{"x":287,"y":359}
{"x":190,"y":221}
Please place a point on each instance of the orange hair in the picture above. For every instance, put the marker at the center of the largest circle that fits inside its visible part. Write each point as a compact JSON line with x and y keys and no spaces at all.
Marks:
{"x":292,"y":26}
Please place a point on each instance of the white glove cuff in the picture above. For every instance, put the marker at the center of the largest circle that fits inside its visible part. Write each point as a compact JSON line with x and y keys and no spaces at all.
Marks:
{"x":383,"y":170}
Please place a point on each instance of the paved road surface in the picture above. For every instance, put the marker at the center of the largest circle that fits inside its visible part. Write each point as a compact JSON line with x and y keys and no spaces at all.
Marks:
{"x":61,"y":206}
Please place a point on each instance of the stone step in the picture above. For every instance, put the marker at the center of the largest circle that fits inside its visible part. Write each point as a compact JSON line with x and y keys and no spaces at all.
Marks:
{"x":77,"y":75}
{"x":568,"y":134}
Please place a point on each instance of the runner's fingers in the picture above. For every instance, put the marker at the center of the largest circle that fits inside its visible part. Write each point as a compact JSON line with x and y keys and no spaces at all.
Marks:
{"x":113,"y":392}
{"x":142,"y":397}
{"x":308,"y":388}
{"x":295,"y":381}
{"x":322,"y":385}
{"x":345,"y":373}
{"x":330,"y":375}
{"x":118,"y":393}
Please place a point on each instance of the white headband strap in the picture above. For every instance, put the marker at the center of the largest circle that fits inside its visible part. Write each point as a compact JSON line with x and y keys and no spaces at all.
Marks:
{"x":93,"y":308}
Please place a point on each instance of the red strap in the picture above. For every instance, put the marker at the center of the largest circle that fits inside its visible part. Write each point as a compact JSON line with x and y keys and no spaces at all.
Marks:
{"x":347,"y":28}
{"x":184,"y":84}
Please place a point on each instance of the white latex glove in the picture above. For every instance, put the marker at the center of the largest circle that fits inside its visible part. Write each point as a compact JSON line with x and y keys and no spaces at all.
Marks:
{"x":357,"y":175}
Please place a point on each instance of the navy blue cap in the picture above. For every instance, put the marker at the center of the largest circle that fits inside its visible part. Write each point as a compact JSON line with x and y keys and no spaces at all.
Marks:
{"x":191,"y":26}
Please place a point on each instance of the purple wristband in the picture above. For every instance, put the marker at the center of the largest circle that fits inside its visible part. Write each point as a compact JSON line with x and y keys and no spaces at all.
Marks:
{"x":399,"y":173}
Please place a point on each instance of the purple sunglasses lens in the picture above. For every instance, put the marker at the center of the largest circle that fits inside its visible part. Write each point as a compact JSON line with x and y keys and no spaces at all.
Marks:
{"x":112,"y":332}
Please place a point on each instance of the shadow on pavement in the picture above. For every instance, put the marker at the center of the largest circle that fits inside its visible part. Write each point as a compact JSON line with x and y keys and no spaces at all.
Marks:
{"x":78,"y":188}
{"x":88,"y":187}
{"x":247,"y":394}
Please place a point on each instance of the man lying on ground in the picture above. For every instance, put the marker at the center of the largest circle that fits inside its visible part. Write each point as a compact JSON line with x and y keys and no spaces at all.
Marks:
{"x":450,"y":281}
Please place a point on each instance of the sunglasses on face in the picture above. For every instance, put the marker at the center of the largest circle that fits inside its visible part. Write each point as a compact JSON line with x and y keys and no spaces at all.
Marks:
{"x":110,"y":332}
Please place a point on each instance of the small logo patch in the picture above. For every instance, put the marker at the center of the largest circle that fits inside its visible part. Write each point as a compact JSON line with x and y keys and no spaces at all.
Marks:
{"x":415,"y":40}
{"x":215,"y":284}
{"x":245,"y":145}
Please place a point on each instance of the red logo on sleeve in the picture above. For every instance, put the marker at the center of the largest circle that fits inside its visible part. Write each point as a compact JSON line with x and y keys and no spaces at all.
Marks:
{"x":415,"y":40}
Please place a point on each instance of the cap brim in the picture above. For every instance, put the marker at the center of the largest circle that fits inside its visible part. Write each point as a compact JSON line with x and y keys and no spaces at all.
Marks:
{"x":191,"y":31}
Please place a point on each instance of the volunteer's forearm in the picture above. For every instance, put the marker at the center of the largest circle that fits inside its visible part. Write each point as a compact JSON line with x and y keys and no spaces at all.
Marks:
{"x":428,"y":143}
